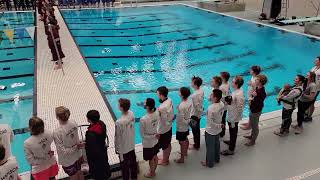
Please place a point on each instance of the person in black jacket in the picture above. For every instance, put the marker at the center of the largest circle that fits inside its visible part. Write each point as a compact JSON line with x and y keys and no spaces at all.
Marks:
{"x":96,"y":147}
{"x":256,"y":106}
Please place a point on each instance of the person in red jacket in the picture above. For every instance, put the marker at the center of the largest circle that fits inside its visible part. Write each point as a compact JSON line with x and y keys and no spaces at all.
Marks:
{"x":256,"y":106}
{"x":96,"y":147}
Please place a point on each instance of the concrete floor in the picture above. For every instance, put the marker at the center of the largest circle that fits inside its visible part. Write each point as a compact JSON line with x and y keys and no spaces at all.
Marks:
{"x":273,"y":158}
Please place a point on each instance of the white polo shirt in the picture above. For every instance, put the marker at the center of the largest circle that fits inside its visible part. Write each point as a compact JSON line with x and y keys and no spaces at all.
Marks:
{"x":66,"y":138}
{"x":166,"y":116}
{"x":36,"y":149}
{"x":197,"y":103}
{"x":183,"y":116}
{"x":214,"y":118}
{"x":124,"y":134}
{"x":148,"y":129}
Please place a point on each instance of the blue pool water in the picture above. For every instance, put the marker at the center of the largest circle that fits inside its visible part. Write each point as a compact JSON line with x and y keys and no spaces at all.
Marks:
{"x":17,"y":66}
{"x":132,"y":51}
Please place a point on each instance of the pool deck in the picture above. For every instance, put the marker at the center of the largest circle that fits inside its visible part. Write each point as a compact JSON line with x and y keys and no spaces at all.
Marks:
{"x":76,"y":90}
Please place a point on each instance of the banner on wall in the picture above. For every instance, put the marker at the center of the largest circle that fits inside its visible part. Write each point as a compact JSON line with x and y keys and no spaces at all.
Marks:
{"x":20,"y":32}
{"x":9,"y":33}
{"x":30,"y":31}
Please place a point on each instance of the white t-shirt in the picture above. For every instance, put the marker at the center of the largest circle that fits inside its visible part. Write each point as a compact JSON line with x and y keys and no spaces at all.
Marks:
{"x":6,"y":137}
{"x":36,"y":149}
{"x":316,"y":70}
{"x":66,"y":138}
{"x":197,"y":103}
{"x":166,"y":116}
{"x":183,"y":116}
{"x":252,"y":87}
{"x":235,"y":109}
{"x":148,"y":129}
{"x":9,"y":170}
{"x":214,"y":118}
{"x":124,"y":135}
{"x":225,"y":88}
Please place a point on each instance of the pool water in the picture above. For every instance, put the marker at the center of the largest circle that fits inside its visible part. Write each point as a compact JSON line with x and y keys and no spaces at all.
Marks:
{"x":17,"y":74}
{"x":132,"y":51}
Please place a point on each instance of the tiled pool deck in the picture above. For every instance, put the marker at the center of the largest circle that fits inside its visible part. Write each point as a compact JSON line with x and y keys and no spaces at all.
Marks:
{"x":78,"y":91}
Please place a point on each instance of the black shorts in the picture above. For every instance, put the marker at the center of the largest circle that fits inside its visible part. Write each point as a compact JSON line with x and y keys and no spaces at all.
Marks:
{"x":182,"y":136}
{"x":165,"y":140}
{"x":149,"y":153}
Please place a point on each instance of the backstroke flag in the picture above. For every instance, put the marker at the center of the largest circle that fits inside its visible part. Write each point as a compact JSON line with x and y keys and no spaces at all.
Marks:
{"x":30,"y":31}
{"x":9,"y":34}
{"x":20,"y":32}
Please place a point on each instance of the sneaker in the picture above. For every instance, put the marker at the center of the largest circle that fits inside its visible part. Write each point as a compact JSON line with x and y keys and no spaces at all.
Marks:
{"x":251,"y":143}
{"x":227,"y":142}
{"x":279,"y":132}
{"x":247,"y":137}
{"x":294,"y":126}
{"x":227,"y":153}
{"x":298,"y":130}
{"x":307,"y":119}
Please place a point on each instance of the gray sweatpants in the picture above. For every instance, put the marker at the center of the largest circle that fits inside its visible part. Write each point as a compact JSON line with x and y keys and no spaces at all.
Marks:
{"x":254,"y":123}
{"x":213,"y":149}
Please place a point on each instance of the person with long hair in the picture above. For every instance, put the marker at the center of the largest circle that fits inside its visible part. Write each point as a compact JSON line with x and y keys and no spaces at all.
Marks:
{"x":149,"y":136}
{"x":38,"y":151}
{"x":306,"y":100}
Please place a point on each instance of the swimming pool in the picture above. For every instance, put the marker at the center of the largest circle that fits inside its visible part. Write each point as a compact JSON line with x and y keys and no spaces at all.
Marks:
{"x":132,"y":51}
{"x":17,"y":74}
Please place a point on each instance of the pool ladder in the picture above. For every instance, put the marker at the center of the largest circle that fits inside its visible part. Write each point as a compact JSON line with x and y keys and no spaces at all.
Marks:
{"x":284,"y":8}
{"x":135,"y":2}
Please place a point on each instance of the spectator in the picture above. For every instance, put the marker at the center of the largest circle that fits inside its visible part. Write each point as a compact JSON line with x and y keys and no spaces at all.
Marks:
{"x":96,"y":147}
{"x":68,"y":145}
{"x":38,"y":151}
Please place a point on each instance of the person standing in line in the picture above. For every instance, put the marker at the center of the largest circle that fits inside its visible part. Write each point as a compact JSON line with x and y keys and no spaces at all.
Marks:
{"x":254,"y":71}
{"x":148,"y":132}
{"x":235,"y":105}
{"x":196,"y":111}
{"x":96,"y":147}
{"x":216,"y":82}
{"x":68,"y":145}
{"x":289,"y":102}
{"x":213,"y":129}
{"x":316,"y":70}
{"x":124,"y":141}
{"x":165,"y":124}
{"x":183,"y":120}
{"x":305,"y":101}
{"x":256,"y":106}
{"x":225,"y":88}
{"x":8,"y":166}
{"x":6,"y":137}
{"x":38,"y":152}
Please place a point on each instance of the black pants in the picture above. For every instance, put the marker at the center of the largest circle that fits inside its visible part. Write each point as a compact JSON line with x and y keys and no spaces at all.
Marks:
{"x":286,"y":119}
{"x":302,"y":108}
{"x":223,"y":132}
{"x":195,"y":127}
{"x":129,"y":166}
{"x":233,"y":135}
